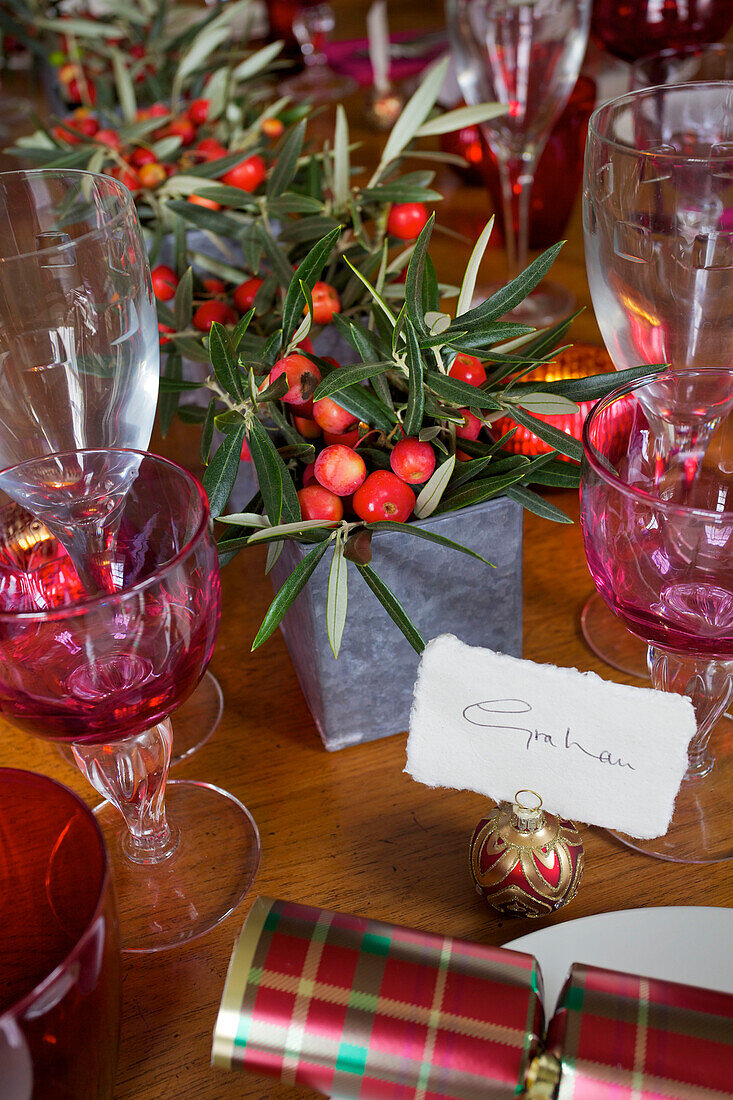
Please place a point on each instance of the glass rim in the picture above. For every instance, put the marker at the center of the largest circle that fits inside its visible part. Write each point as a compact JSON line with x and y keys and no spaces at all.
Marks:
{"x":592,"y":456}
{"x":81,"y":607}
{"x":612,"y":105}
{"x":691,"y":49}
{"x":40,"y":988}
{"x":126,"y":196}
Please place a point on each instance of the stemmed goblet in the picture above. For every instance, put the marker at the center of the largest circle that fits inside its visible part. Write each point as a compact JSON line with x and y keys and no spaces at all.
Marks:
{"x":79,"y":354}
{"x":526,"y":56}
{"x":657,"y":522}
{"x":639,"y":27}
{"x":102,"y":672}
{"x":658,"y":226}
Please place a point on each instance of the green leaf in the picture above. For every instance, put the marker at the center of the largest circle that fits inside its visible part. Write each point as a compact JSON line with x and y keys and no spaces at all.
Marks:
{"x":537,"y":504}
{"x":294,"y":204}
{"x":212,"y":220}
{"x":367,"y":407}
{"x":257,"y":62}
{"x":477,"y":491}
{"x":374,"y":293}
{"x":594,"y":386}
{"x":191,"y":348}
{"x":168,"y":400}
{"x":513,"y":293}
{"x":451,"y":121}
{"x":430,"y":536}
{"x":124,"y":85}
{"x":286,"y":163}
{"x":289,"y":591}
{"x":233,"y":197}
{"x":469,"y":279}
{"x":458,"y":392}
{"x":183,"y":301}
{"x":284,"y":530}
{"x":276,"y":485}
{"x":560,"y":441}
{"x":415,"y":275}
{"x":341,"y":379}
{"x":398,"y":191}
{"x":430,"y":494}
{"x":413,"y":115}
{"x":221,"y":473}
{"x":393,"y":607}
{"x":200,"y":49}
{"x":415,"y":394}
{"x":207,"y":433}
{"x":282,"y":269}
{"x":337,"y":596}
{"x":341,"y":165}
{"x":544,"y":404}
{"x":224,"y":363}
{"x":308,"y":272}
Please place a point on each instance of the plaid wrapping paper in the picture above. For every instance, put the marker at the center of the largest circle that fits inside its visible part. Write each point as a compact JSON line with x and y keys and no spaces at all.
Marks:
{"x":620,"y":1037}
{"x":361,"y":1009}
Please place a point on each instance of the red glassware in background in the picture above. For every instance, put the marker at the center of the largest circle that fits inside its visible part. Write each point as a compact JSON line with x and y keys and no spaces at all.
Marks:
{"x":59,"y":951}
{"x":629,"y":29}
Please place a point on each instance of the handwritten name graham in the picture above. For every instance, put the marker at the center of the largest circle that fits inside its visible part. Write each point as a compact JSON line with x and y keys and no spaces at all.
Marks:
{"x":481,"y":714}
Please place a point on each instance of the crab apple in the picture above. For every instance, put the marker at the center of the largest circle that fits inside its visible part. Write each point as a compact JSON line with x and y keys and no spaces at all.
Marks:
{"x":306,"y":344}
{"x":209,"y":312}
{"x":215,"y":286}
{"x":127,"y":176}
{"x":302,"y":375}
{"x":198,"y":111}
{"x":244,"y":295}
{"x":340,"y":469}
{"x":199,"y":200}
{"x":141,"y":156}
{"x":246,"y":455}
{"x":307,"y":427}
{"x":467,"y":368}
{"x":109,"y":138}
{"x":165,"y":282}
{"x":272,"y":127}
{"x":384,"y":496}
{"x":150,"y":175}
{"x":162,"y":339}
{"x":247,"y":175}
{"x":347,"y":439}
{"x":84,"y":122}
{"x":155,"y":110}
{"x":319,"y":503}
{"x":308,"y":474}
{"x":211,"y":149}
{"x":326,"y":302}
{"x":406,"y":220}
{"x":182,"y":128}
{"x":470,"y":427}
{"x":331,"y":417}
{"x":413,"y":460}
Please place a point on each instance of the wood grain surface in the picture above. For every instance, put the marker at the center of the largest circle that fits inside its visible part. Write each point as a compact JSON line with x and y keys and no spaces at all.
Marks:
{"x":350,"y":830}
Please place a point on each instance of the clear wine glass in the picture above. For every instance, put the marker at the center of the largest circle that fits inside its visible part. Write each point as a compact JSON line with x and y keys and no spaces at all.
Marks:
{"x":102,"y":672}
{"x":689,"y":64}
{"x":658,"y":226}
{"x":313,"y":24}
{"x":638,"y":27}
{"x":657,"y":522}
{"x":78,"y":339}
{"x":526,"y":56}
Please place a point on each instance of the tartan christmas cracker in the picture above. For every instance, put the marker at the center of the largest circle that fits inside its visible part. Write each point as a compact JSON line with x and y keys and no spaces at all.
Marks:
{"x":356,"y":1008}
{"x":362,"y":1010}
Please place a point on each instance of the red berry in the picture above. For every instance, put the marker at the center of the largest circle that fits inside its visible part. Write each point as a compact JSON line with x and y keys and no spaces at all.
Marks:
{"x":214,"y":286}
{"x":150,"y":175}
{"x":198,"y":111}
{"x":326,"y":302}
{"x":182,"y":128}
{"x":127,"y":176}
{"x":84,"y":122}
{"x":157,"y":110}
{"x":211,"y":149}
{"x":384,"y":496}
{"x":246,"y":455}
{"x":308,"y":475}
{"x":303,"y":377}
{"x":470,"y":427}
{"x":247,"y":175}
{"x":272,"y":127}
{"x":162,"y":329}
{"x":209,"y":312}
{"x":412,"y":460}
{"x":406,"y":220}
{"x":141,"y":156}
{"x":348,"y":439}
{"x":318,"y":503}
{"x":467,"y":368}
{"x":307,"y":427}
{"x":340,"y":469}
{"x":244,"y":295}
{"x":165,"y":282}
{"x":108,"y":137}
{"x":331,"y":417}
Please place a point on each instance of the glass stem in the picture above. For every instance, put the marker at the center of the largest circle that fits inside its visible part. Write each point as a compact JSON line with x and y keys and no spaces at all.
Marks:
{"x":132,"y":774}
{"x":516,"y":173}
{"x":708,"y":684}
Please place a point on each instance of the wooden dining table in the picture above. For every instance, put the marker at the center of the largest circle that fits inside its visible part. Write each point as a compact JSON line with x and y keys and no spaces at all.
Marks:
{"x":349,"y":830}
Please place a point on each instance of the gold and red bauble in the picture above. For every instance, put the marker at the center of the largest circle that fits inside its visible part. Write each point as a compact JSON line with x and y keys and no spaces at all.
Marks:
{"x":525,"y":862}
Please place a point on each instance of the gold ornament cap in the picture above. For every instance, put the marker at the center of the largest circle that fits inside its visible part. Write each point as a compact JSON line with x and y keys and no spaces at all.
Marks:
{"x":526,"y":816}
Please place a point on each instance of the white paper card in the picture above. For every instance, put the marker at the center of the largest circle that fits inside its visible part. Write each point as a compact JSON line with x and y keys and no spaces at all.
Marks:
{"x":595,"y":751}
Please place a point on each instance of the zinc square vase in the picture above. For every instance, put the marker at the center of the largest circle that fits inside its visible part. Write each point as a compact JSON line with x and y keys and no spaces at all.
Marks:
{"x":366,"y":693}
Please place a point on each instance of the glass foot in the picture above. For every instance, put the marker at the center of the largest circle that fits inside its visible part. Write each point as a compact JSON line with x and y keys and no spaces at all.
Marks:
{"x":609,"y":639}
{"x":319,"y":84}
{"x":211,"y":870}
{"x":195,"y":721}
{"x":701,"y":829}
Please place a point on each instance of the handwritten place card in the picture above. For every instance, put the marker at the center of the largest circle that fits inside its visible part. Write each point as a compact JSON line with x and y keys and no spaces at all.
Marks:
{"x":595,"y":751}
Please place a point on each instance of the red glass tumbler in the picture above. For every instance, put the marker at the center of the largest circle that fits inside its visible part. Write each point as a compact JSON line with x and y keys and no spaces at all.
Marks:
{"x":59,"y":949}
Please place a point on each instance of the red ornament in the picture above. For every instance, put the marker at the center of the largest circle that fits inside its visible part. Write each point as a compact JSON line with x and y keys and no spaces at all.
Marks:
{"x":524,"y":862}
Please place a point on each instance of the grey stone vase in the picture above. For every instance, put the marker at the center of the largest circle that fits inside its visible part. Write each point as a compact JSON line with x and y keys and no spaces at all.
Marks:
{"x":366,"y":693}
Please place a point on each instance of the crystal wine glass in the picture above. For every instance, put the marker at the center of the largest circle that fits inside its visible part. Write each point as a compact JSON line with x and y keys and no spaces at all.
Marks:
{"x":658,"y":225}
{"x":79,"y":349}
{"x":527,"y":56}
{"x":657,"y":522}
{"x":102,"y":672}
{"x":637,"y":27}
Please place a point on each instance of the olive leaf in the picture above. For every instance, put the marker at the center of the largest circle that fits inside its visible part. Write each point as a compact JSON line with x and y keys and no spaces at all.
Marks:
{"x":337,"y":596}
{"x":292,"y":587}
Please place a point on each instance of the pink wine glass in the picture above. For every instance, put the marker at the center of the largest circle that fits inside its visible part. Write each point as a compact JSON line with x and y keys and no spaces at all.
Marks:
{"x":657,"y":522}
{"x":632,"y":28}
{"x":59,"y":949}
{"x":102,"y":673}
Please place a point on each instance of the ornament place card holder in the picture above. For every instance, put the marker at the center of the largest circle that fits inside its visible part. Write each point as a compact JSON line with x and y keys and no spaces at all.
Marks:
{"x":598,"y":752}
